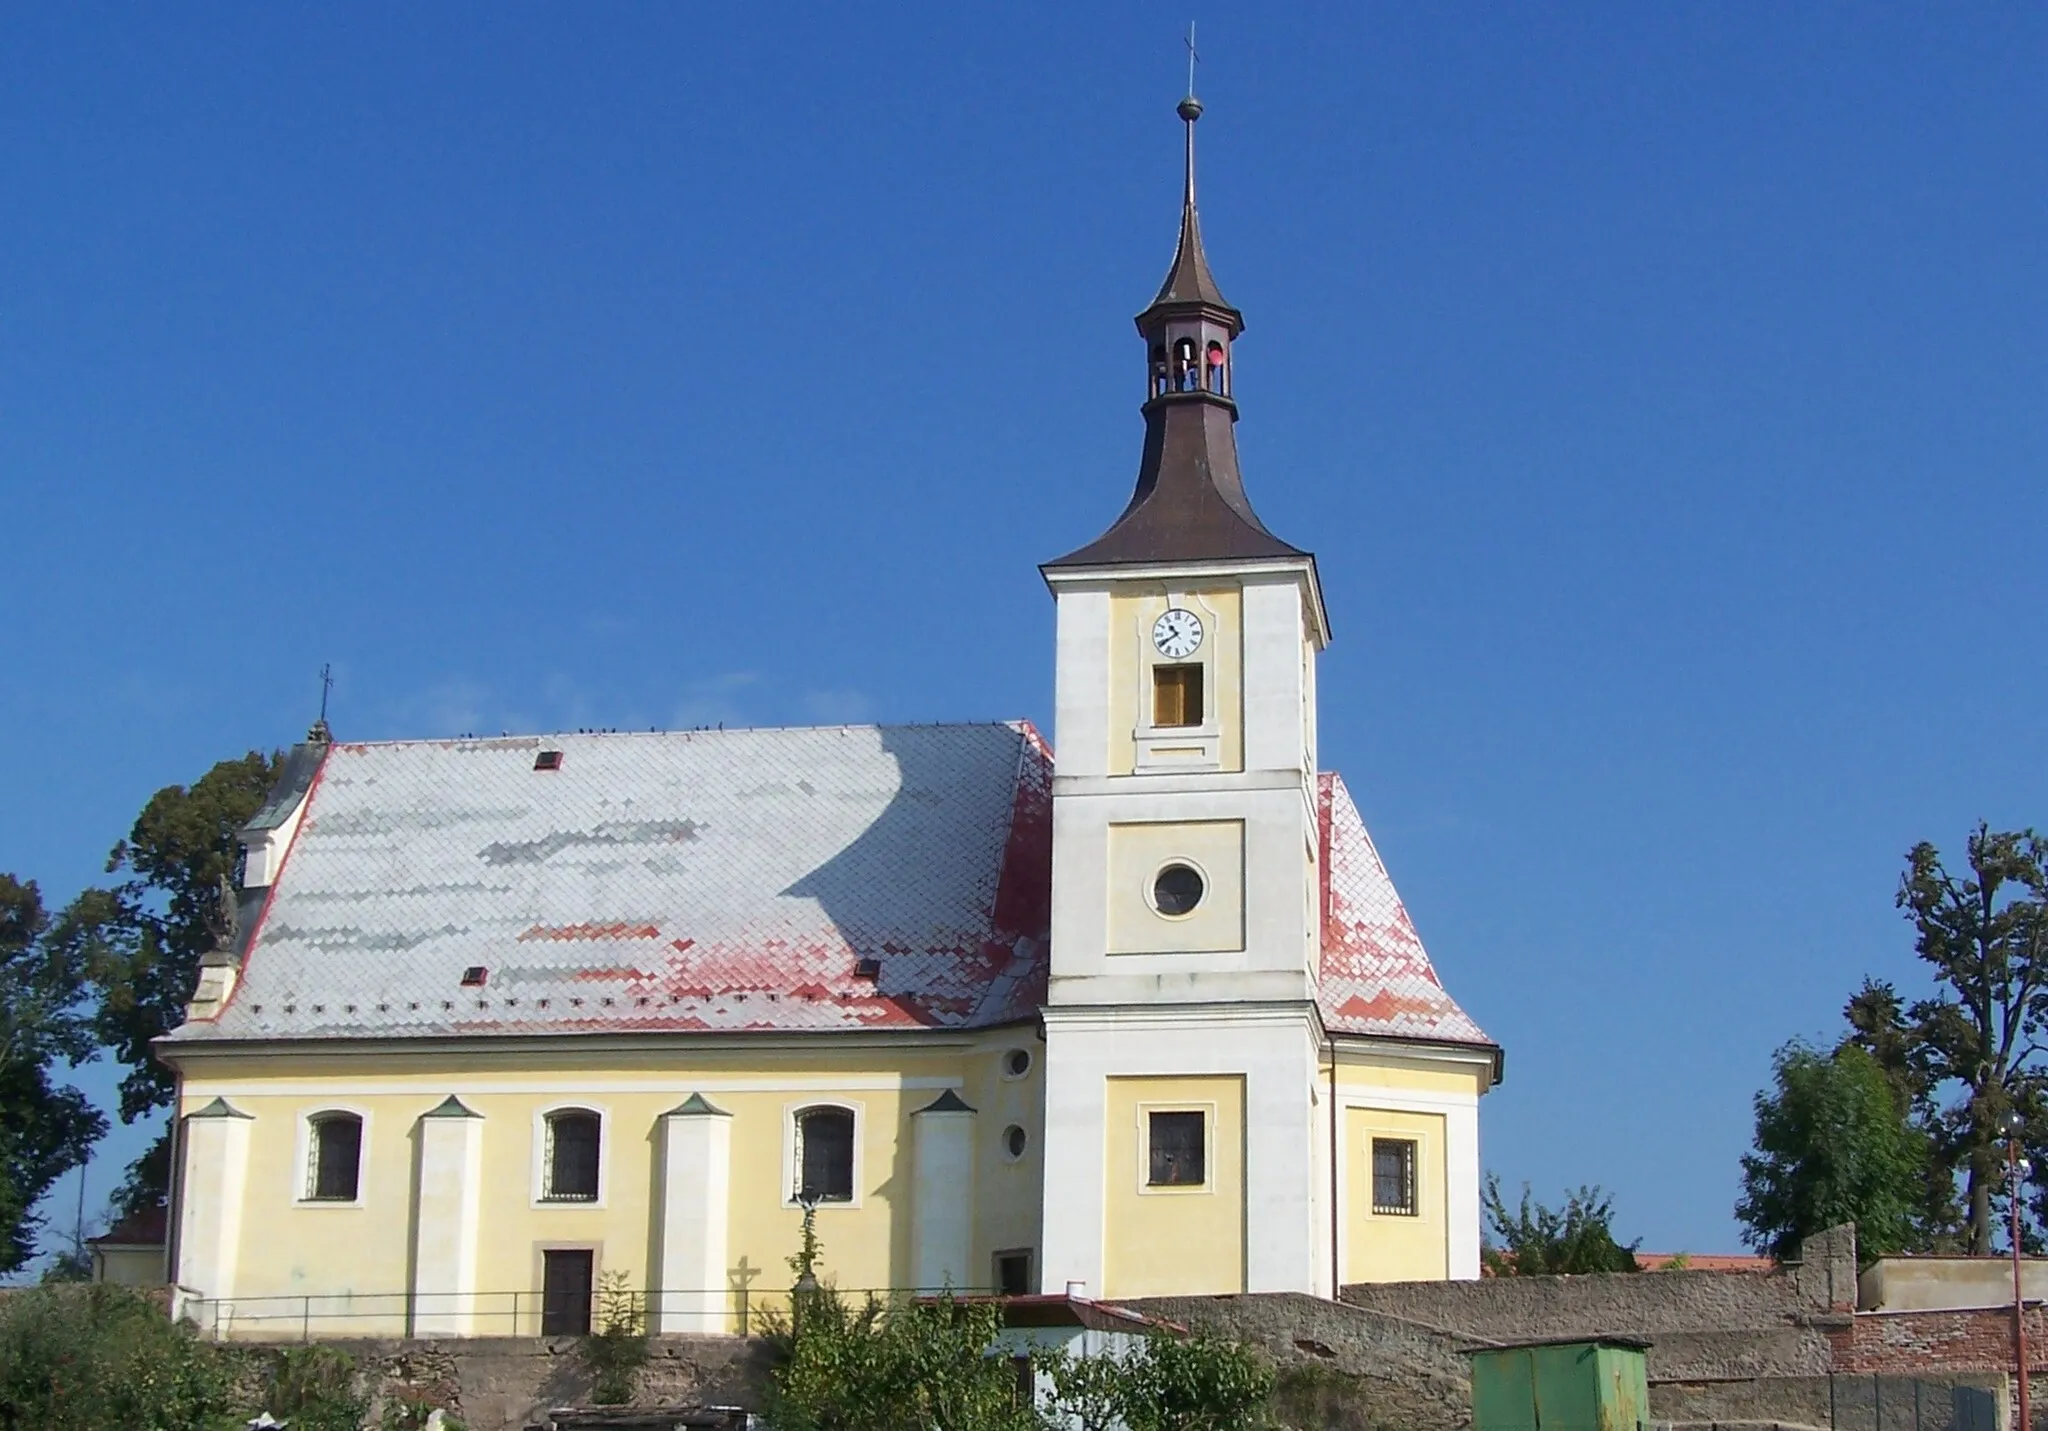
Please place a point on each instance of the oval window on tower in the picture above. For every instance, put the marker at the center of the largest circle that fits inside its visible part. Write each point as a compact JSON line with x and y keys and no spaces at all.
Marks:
{"x":1177,"y":889}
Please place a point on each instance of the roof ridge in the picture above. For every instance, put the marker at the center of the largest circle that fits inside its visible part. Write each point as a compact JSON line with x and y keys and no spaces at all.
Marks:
{"x":1019,"y":724}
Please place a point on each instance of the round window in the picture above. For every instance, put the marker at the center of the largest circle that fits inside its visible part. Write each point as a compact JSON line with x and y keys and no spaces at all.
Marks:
{"x":1177,"y":889}
{"x":1015,"y":1140}
{"x":1017,"y":1062}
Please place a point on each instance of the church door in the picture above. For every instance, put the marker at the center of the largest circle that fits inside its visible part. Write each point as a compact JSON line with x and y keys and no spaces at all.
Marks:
{"x":565,"y":1294}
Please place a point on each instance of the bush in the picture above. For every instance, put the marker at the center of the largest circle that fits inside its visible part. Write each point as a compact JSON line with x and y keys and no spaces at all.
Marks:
{"x":314,"y":1388}
{"x":87,"y":1358}
{"x":615,"y":1353}
{"x":1165,"y":1384}
{"x":889,"y":1367}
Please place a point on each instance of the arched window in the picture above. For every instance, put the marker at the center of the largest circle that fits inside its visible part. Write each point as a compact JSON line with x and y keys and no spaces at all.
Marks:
{"x":1160,"y":385}
{"x":1186,"y":370}
{"x":335,"y":1157}
{"x":824,"y":1155}
{"x":1215,"y":367}
{"x":572,"y":1156}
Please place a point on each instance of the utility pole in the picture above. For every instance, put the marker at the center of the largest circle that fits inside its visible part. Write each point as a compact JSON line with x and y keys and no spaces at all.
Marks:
{"x":2016,"y":1169}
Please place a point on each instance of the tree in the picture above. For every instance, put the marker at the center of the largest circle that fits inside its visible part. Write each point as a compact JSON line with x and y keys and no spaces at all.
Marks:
{"x":1194,"y":1384}
{"x":1985,"y":934}
{"x":900,"y":1366}
{"x":1534,"y":1240}
{"x":1834,"y":1143}
{"x":144,"y":935}
{"x":46,"y":1129}
{"x":99,"y":1356}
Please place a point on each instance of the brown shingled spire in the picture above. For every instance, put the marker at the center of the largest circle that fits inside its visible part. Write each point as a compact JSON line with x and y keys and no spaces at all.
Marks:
{"x":1190,"y":503}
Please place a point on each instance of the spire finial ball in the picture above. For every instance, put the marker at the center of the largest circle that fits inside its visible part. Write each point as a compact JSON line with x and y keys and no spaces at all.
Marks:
{"x":1190,"y":109}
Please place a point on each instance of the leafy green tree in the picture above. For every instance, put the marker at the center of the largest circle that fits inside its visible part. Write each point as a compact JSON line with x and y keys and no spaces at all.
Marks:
{"x":900,"y":1366}
{"x":46,"y":1129}
{"x":1834,"y":1143}
{"x":1980,"y":1040}
{"x":145,"y":933}
{"x":94,"y":1357}
{"x":1164,"y":1384}
{"x":1195,"y":1384}
{"x":1532,"y":1240}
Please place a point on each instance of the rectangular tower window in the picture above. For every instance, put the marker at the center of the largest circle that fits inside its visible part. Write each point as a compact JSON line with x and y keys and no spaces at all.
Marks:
{"x":1013,"y":1274}
{"x":1176,"y":695}
{"x":1393,"y":1177}
{"x":1174,"y":1146}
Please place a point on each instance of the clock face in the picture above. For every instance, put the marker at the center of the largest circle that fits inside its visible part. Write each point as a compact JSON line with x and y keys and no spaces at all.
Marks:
{"x":1177,"y":635}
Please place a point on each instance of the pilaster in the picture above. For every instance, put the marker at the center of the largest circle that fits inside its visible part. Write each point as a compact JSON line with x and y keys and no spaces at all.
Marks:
{"x":446,"y":1207}
{"x":696,"y":1184}
{"x":942,"y":1196}
{"x":210,"y":1206}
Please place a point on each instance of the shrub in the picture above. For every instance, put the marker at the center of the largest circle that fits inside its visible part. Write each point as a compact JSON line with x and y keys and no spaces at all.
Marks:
{"x":86,"y":1358}
{"x":891,"y":1367}
{"x":616,"y":1351}
{"x":314,"y":1388}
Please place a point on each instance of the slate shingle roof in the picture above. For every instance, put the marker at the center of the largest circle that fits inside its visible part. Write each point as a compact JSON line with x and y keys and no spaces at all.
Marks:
{"x":1376,"y":976}
{"x":703,"y":880}
{"x":720,"y":881}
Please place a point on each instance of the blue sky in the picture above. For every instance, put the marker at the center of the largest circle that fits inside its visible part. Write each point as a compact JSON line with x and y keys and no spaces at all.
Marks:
{"x":1661,"y":389}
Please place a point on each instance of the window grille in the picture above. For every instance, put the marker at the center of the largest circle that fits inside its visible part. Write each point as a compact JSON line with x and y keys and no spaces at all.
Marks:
{"x":1176,"y":1152}
{"x":1393,"y":1177}
{"x":824,"y":1147}
{"x":572,"y":1154}
{"x":336,"y":1156}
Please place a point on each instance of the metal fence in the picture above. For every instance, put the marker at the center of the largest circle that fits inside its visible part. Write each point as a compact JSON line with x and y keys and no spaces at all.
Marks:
{"x":525,"y":1312}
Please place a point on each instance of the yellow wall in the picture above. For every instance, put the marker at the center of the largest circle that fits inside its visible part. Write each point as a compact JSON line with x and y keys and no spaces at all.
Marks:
{"x":1168,"y":1241}
{"x":1138,"y":851}
{"x":1131,"y":657}
{"x":1391,"y":1247}
{"x":291,"y":1249}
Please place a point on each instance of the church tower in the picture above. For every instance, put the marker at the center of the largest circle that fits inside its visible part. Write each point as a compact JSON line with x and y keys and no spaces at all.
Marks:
{"x":1186,"y":1146}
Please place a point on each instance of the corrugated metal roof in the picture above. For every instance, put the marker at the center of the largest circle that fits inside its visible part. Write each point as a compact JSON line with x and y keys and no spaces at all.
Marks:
{"x":1376,"y":977}
{"x":705,"y":880}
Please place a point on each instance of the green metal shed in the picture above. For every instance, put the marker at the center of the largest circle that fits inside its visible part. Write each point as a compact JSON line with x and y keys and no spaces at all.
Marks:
{"x":1575,"y":1384}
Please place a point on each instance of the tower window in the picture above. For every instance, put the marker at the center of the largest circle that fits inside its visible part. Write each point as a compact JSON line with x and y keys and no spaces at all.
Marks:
{"x":1393,"y":1177}
{"x":1215,"y":367}
{"x":572,"y":1156}
{"x":1176,"y":695}
{"x":337,"y":1158}
{"x":1013,"y":1273}
{"x":824,"y":1155}
{"x":1175,"y":1150}
{"x":1177,"y":890}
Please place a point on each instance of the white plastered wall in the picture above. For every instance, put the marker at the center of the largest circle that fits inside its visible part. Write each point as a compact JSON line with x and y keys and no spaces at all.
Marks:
{"x":696,"y":1188}
{"x":1460,"y":1112}
{"x":1273,"y":1050}
{"x":942,"y":1199}
{"x":446,"y":1206}
{"x":210,"y":1200}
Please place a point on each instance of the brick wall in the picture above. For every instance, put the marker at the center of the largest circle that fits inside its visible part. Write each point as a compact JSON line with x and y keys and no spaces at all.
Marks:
{"x":1978,"y":1339}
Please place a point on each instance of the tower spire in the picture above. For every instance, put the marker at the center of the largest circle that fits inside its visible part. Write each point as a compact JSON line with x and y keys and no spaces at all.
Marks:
{"x":1190,"y":503}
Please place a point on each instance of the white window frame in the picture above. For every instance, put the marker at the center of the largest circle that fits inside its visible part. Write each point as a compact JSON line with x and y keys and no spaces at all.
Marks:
{"x":539,"y":1190}
{"x":792,"y":1166}
{"x":1208,"y":736}
{"x":1207,"y":1186}
{"x":1416,"y":1164}
{"x":302,"y":1161}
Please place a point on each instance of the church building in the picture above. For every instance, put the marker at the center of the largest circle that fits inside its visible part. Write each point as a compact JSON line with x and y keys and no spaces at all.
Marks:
{"x":501,"y":1021}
